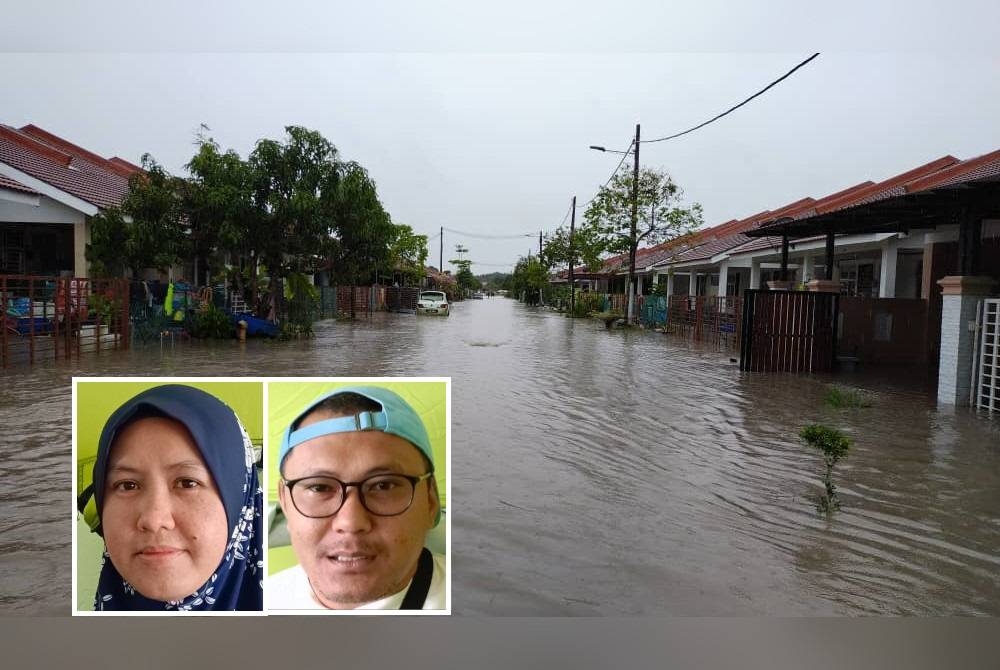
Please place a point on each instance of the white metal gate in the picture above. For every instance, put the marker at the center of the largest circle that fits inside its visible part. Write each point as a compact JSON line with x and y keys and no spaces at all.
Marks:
{"x":986,"y":389}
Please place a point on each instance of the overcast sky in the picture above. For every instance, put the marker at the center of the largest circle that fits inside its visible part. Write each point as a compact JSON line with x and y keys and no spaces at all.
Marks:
{"x":486,"y":130}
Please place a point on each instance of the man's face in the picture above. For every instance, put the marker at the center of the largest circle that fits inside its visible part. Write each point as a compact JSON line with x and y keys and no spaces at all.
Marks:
{"x":355,"y":557}
{"x":164,"y":524}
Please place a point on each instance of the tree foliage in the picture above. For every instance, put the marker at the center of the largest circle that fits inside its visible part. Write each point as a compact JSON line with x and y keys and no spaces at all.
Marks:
{"x":585,"y":252}
{"x":659,"y":214}
{"x":529,"y":279}
{"x":407,"y":254}
{"x":146,"y":231}
{"x":835,"y":446}
{"x":291,"y":208}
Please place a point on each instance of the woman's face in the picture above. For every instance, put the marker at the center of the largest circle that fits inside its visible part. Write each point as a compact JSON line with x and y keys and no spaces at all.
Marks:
{"x":164,"y":524}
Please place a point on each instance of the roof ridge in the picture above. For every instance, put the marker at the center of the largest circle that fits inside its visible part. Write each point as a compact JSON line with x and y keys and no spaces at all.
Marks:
{"x":74,"y":150}
{"x":933,"y":179}
{"x":919,"y":172}
{"x":35,"y":145}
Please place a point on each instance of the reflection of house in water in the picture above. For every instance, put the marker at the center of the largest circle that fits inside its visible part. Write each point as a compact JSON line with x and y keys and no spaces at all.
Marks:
{"x":49,"y":190}
{"x":911,"y":257}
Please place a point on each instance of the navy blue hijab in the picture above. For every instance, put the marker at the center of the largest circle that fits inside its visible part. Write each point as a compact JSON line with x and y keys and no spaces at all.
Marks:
{"x":236,"y":584}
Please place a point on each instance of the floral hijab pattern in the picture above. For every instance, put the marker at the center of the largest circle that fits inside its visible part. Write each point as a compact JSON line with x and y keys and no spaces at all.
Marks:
{"x":237,"y":583}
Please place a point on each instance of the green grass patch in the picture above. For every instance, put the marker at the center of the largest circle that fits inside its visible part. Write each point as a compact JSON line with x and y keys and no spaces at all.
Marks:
{"x":841,"y":397}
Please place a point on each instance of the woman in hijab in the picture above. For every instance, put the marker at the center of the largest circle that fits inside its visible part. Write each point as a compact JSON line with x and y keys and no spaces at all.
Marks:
{"x":179,"y":506}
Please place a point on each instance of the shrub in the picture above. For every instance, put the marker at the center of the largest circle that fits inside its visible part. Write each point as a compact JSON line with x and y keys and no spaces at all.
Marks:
{"x":834,"y":446}
{"x":211,"y":323}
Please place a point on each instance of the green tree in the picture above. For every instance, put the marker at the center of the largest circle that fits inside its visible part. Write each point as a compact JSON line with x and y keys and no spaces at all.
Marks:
{"x":296,"y":195}
{"x":146,"y":231}
{"x":363,"y":230}
{"x":660,"y":216}
{"x":529,"y":280}
{"x":587,"y":248}
{"x":218,"y":200}
{"x":407,"y":254}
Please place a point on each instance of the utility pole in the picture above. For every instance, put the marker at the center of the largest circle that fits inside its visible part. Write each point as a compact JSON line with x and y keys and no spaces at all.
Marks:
{"x":539,"y":244}
{"x":441,"y":252}
{"x":635,"y":219}
{"x":572,"y":225}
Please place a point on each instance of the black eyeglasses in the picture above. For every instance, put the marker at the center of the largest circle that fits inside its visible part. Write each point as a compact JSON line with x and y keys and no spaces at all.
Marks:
{"x":382,"y":495}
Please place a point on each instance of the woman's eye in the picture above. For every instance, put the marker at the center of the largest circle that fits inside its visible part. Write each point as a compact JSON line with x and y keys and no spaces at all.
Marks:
{"x":382,"y":486}
{"x":319,"y":488}
{"x":187,"y":483}
{"x":125,"y":485}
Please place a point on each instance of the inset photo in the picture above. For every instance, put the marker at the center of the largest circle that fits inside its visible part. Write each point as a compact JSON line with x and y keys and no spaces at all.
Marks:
{"x":168,"y":496}
{"x":358,"y":493}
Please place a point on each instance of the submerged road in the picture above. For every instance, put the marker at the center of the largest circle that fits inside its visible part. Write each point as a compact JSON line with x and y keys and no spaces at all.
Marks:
{"x":599,"y":472}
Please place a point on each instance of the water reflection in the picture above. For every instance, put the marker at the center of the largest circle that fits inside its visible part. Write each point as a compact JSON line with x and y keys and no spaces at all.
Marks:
{"x":599,"y":472}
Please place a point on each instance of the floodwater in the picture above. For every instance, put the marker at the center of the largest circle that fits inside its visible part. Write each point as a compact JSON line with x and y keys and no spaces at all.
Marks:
{"x":599,"y":472}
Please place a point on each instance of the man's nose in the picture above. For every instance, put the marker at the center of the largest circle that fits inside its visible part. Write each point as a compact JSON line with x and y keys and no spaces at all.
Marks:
{"x":352,"y":517}
{"x":156,"y":510}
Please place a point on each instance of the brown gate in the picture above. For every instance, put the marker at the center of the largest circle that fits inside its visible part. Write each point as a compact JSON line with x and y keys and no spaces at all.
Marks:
{"x":788,"y":331}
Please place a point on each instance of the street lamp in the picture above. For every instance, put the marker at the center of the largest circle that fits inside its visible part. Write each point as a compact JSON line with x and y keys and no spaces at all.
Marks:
{"x":610,"y":151}
{"x":634,"y":150}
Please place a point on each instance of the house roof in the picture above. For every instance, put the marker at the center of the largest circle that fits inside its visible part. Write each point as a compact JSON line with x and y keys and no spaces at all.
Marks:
{"x":919,"y":197}
{"x":63,"y":165}
{"x":12,"y":185}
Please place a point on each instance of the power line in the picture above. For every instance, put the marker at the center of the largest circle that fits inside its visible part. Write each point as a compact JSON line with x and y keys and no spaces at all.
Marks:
{"x":490,"y":237}
{"x":735,"y":107}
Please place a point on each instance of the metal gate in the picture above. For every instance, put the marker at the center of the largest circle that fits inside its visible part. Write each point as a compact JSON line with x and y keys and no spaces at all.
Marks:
{"x":788,"y":331}
{"x":986,"y":388}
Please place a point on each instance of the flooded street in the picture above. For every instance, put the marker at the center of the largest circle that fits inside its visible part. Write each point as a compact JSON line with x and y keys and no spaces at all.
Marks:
{"x":599,"y":472}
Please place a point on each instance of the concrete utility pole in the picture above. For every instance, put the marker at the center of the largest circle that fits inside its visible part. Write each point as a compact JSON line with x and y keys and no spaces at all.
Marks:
{"x":441,"y":252}
{"x":632,"y":236}
{"x":572,"y":225}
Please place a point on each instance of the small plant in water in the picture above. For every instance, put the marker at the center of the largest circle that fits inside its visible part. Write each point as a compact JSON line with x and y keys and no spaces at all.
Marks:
{"x":834,"y":446}
{"x":839,"y":396}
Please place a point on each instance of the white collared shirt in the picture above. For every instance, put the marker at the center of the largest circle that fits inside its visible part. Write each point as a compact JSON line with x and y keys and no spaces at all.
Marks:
{"x":290,"y":590}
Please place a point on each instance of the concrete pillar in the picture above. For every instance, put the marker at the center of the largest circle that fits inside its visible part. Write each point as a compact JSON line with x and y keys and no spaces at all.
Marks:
{"x":723,"y":277}
{"x":81,"y":236}
{"x":656,"y":279}
{"x":754,"y":273}
{"x":808,"y":268}
{"x":693,"y":283}
{"x":959,"y":295}
{"x":670,"y":283}
{"x":887,"y":276}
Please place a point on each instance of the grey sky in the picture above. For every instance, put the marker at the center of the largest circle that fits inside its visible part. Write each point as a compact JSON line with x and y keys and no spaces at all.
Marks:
{"x":494,"y":142}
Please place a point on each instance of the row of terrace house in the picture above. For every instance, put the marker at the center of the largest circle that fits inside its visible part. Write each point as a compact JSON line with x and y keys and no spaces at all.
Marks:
{"x":911,"y":258}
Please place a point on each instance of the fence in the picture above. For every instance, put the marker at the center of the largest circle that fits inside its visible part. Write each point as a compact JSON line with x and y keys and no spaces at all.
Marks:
{"x":788,"y":331}
{"x":45,"y":317}
{"x":986,"y":385}
{"x":714,"y":319}
{"x":401,"y":298}
{"x":363,"y":298}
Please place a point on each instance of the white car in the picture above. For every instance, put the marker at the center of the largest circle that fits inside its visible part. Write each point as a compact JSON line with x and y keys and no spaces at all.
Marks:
{"x":432,"y":302}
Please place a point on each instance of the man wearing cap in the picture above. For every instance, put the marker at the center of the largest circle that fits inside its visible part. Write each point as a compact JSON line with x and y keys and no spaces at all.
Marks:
{"x":359,"y":493}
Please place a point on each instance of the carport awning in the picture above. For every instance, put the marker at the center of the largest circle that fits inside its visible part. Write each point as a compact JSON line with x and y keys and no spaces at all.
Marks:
{"x":925,"y":202}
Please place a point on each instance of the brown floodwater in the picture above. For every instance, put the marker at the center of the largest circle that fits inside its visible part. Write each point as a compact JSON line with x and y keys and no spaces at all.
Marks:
{"x":599,"y":472}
